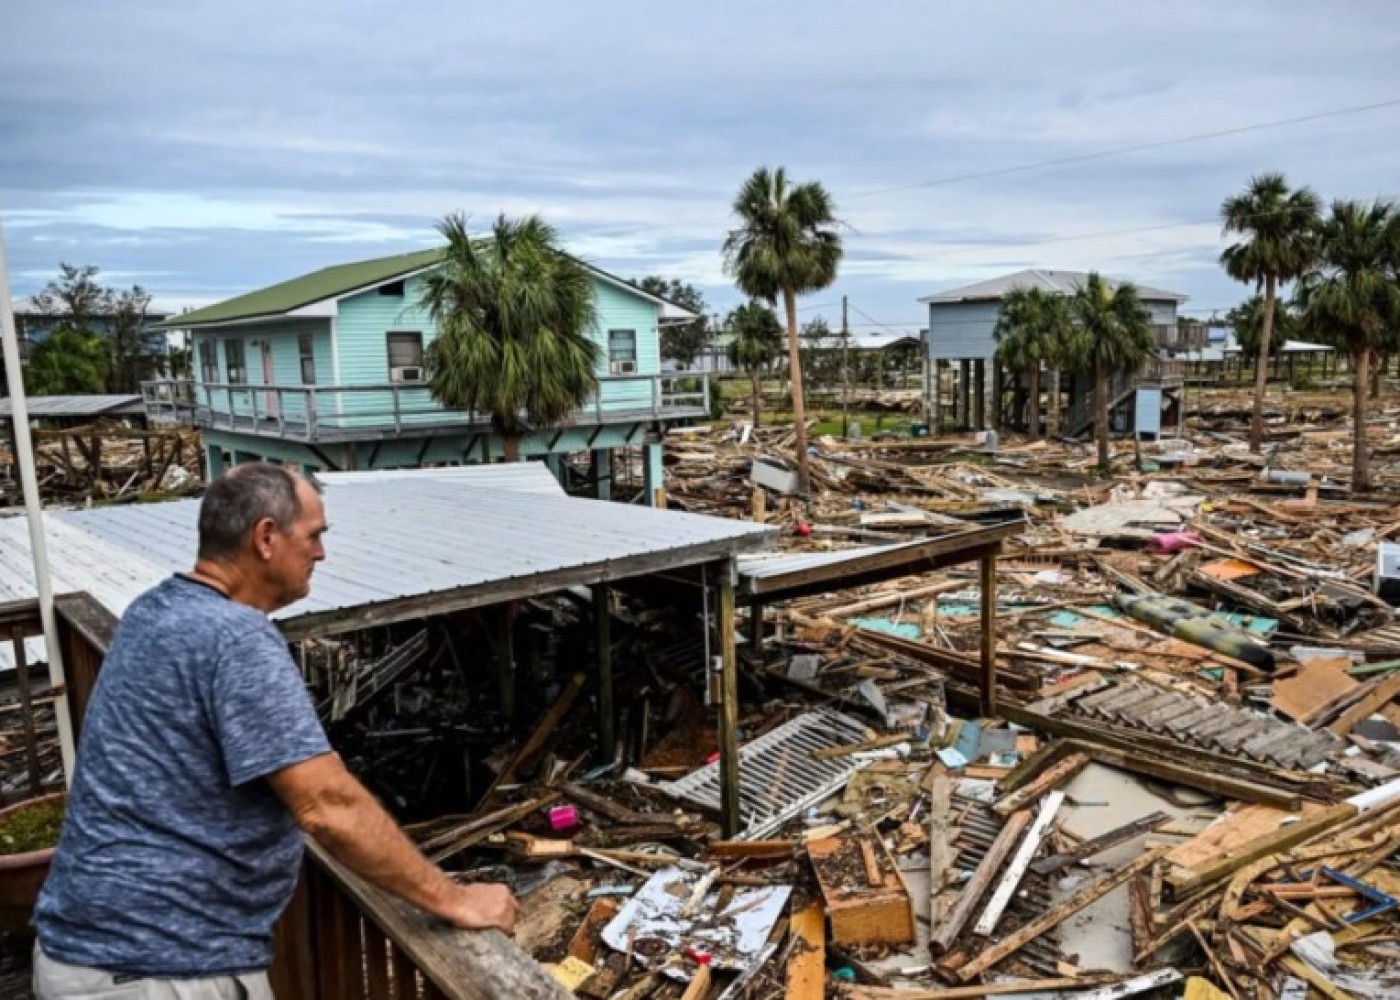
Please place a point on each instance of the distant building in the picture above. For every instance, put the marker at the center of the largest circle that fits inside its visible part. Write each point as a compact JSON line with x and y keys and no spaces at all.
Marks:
{"x":33,"y":326}
{"x":968,"y":389}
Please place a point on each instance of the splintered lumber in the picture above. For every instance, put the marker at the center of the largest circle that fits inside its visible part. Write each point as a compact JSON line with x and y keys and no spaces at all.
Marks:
{"x":861,"y":913}
{"x":976,"y":991}
{"x":806,"y":968}
{"x":1052,"y":778}
{"x":1192,"y":776}
{"x":1199,"y":769}
{"x":1101,"y":843}
{"x":1316,"y":979}
{"x":1203,"y":989}
{"x":459,"y":838}
{"x":940,"y":846}
{"x":944,"y":934}
{"x":1035,"y":836}
{"x":543,"y":732}
{"x":995,"y":953}
{"x":1382,"y":694}
{"x":699,"y":986}
{"x":1184,"y":880}
{"x":606,"y":807}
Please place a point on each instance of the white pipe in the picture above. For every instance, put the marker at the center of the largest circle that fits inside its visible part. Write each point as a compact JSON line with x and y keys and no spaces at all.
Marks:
{"x":29,"y":483}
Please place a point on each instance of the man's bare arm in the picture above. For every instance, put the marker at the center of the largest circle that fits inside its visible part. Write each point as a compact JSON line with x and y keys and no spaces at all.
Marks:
{"x":334,"y":808}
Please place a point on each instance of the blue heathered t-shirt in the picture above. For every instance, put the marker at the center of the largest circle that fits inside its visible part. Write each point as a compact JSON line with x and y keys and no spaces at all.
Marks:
{"x":176,"y":858}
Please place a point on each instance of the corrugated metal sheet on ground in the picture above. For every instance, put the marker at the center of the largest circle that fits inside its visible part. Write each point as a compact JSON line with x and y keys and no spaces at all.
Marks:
{"x":778,"y":777}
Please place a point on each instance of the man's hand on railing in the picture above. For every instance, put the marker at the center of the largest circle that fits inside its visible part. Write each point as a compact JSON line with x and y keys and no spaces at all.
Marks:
{"x":482,"y":906}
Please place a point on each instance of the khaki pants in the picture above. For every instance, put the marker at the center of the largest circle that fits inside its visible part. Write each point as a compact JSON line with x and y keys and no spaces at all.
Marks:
{"x":58,"y":981}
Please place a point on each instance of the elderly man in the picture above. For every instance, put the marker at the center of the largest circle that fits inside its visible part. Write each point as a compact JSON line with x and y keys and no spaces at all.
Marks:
{"x":201,"y":756}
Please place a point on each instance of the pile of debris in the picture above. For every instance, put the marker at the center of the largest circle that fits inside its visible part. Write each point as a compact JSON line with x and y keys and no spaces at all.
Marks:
{"x":108,"y":462}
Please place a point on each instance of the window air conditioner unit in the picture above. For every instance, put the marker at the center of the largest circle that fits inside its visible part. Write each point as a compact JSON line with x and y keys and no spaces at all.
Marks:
{"x":405,"y":374}
{"x":624,"y":367}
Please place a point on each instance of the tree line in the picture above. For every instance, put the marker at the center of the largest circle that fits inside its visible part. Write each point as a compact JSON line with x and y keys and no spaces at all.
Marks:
{"x":99,"y":341}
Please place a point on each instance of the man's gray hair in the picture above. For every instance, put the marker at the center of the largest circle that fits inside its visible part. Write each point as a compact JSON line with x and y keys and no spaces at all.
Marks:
{"x":242,"y":497}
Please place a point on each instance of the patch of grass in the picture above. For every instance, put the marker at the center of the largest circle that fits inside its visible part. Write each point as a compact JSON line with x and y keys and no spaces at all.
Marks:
{"x":33,"y":828}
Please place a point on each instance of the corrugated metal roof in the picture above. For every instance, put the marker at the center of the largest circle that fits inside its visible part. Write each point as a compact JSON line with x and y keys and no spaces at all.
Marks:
{"x":390,"y":540}
{"x":76,"y":406}
{"x":524,"y":477}
{"x":1055,"y":282}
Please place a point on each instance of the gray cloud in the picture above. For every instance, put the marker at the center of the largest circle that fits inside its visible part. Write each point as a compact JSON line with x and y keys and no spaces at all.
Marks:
{"x":205,"y":148}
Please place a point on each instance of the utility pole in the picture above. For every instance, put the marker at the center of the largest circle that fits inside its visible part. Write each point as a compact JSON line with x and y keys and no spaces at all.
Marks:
{"x":845,"y":370}
{"x":29,"y":482}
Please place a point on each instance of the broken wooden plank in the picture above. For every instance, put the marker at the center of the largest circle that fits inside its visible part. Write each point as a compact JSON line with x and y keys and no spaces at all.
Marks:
{"x":940,"y":846}
{"x":1035,"y":836}
{"x":1381,"y":694}
{"x":995,"y":953}
{"x":1052,"y":778}
{"x":1184,"y":880}
{"x":975,"y":991}
{"x":944,"y":934}
{"x":806,"y":968}
{"x":1101,"y":843}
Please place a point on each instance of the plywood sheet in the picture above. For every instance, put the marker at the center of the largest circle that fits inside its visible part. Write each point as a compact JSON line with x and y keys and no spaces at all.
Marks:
{"x":1317,"y":683}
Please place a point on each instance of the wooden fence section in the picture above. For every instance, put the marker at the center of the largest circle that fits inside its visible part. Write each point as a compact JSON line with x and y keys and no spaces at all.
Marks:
{"x":341,"y":938}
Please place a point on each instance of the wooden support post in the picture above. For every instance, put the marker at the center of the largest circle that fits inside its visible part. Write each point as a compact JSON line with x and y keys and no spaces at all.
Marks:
{"x":505,"y":661}
{"x":988,"y":565}
{"x":26,"y":709}
{"x":602,"y":638}
{"x":728,"y":708}
{"x":756,"y":635}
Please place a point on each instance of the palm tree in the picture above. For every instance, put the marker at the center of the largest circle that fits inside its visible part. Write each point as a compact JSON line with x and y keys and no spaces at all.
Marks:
{"x":515,"y":320}
{"x":1113,"y":335}
{"x":1278,"y":228}
{"x":1246,"y":320}
{"x":1352,"y":299}
{"x":786,"y":245}
{"x":757,"y":342}
{"x":1032,"y":327}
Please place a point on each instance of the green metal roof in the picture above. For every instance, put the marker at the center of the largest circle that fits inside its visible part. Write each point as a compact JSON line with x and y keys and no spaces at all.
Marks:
{"x":327,"y":283}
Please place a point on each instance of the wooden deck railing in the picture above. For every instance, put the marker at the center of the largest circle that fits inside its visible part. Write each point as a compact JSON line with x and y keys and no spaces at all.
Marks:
{"x":341,"y":938}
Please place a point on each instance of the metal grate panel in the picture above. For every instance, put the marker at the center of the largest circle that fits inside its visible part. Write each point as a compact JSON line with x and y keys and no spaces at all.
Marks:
{"x":778,"y":776}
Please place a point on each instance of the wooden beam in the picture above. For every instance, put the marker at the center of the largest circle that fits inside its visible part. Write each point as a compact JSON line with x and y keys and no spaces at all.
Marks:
{"x":728,"y":711}
{"x":806,"y":968}
{"x":1184,"y":880}
{"x":1380,"y":695}
{"x":1101,"y":843}
{"x":994,"y":954}
{"x":26,"y":709}
{"x":945,"y":933}
{"x":975,"y":992}
{"x":1192,"y":768}
{"x":1005,"y":889}
{"x":940,"y":848}
{"x":602,"y":642}
{"x":544,"y":730}
{"x":988,"y":623}
{"x":1054,"y":777}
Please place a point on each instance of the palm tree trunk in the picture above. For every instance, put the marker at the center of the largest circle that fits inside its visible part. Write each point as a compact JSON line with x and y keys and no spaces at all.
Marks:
{"x":799,"y":410}
{"x":757,"y":400}
{"x":1101,"y":413}
{"x":1054,"y":400}
{"x":1261,"y":366}
{"x":1360,"y":461}
{"x":1378,"y":369}
{"x":1033,"y":387}
{"x":511,"y":446}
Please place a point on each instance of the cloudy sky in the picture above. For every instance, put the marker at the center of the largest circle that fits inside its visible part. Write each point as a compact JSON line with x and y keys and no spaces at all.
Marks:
{"x":203,"y":149}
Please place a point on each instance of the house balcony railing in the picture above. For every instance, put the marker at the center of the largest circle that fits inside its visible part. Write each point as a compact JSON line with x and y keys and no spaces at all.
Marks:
{"x":313,"y":413}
